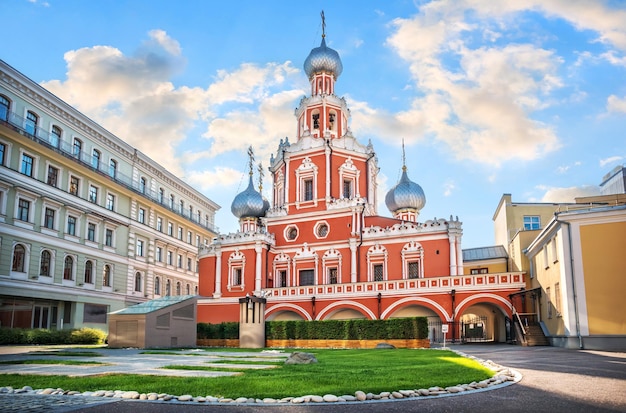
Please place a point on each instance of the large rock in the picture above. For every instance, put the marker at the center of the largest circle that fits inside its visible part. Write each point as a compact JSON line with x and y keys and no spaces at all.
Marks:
{"x":385,"y":345}
{"x":298,"y":357}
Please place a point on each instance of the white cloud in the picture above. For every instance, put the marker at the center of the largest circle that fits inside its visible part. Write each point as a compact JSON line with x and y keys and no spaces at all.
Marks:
{"x":448,"y":187}
{"x":610,"y":160}
{"x":616,"y":104}
{"x":557,"y":195}
{"x":133,"y":97}
{"x":219,"y":177}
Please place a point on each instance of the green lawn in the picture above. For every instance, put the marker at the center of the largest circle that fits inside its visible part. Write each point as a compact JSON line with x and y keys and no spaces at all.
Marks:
{"x":48,"y":361}
{"x":337,"y":372}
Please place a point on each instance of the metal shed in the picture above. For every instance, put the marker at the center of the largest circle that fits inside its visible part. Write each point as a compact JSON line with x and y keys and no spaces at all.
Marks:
{"x":163,"y":322}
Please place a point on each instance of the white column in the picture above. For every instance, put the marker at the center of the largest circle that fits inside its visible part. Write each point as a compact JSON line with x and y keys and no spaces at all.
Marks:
{"x":459,"y":256}
{"x":218,"y":273}
{"x":257,"y":278}
{"x":328,"y":172}
{"x":353,"y":260}
{"x":287,"y":173}
{"x":452,"y":256}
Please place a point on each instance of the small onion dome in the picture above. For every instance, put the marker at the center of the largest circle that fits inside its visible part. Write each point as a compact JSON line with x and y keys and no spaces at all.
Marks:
{"x":249,"y":203}
{"x":323,"y":59}
{"x":406,"y":194}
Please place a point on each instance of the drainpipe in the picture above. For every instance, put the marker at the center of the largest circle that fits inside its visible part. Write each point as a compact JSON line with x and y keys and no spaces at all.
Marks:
{"x":453,"y":294}
{"x":313,"y":306}
{"x":379,"y":304}
{"x":571,"y":257}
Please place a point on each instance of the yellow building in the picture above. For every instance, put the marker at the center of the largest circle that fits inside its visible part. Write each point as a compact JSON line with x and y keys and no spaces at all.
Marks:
{"x":577,"y":259}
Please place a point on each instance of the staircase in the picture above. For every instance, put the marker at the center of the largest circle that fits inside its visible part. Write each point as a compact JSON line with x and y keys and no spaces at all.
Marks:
{"x":534,"y":336}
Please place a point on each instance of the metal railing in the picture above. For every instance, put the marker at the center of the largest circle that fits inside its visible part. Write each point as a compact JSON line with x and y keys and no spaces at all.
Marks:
{"x":52,"y":142}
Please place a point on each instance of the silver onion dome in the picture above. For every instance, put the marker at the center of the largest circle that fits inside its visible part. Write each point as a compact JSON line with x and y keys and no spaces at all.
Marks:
{"x":406,"y":194}
{"x":249,"y":203}
{"x":323,"y":59}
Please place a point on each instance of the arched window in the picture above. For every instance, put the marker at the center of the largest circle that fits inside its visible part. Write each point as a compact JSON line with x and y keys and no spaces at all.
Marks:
{"x":95,"y":159}
{"x":112,"y":168}
{"x":19,"y":258}
{"x":142,"y":185}
{"x":106,"y":276}
{"x":88,"y":272}
{"x":168,"y":288}
{"x":188,"y":289}
{"x":161,"y":195}
{"x":55,"y":136}
{"x":68,"y":268}
{"x":172,"y":200}
{"x":195,"y":290}
{"x":5,"y":107}
{"x":157,"y":286}
{"x":44,"y":266}
{"x":138,"y":282}
{"x":77,"y":148}
{"x":31,"y":122}
{"x":178,"y":288}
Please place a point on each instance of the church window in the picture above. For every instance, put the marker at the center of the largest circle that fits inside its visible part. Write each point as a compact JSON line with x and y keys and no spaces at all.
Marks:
{"x":322,"y":230}
{"x":316,"y":121}
{"x":412,"y":260}
{"x":414,"y":269}
{"x":291,"y":233}
{"x":332,"y":276}
{"x":307,"y":277}
{"x":378,"y":272}
{"x":236,"y":276}
{"x":347,"y":188}
{"x":282,"y":278}
{"x":308,"y":190}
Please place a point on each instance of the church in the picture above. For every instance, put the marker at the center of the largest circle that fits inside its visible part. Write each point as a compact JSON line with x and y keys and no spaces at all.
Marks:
{"x":321,"y":251}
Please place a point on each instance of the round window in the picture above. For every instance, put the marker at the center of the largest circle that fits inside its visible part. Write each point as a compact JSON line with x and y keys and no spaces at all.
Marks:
{"x":322,"y":230}
{"x":292,"y":233}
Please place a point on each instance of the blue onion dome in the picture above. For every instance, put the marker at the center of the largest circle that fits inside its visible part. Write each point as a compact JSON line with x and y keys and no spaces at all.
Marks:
{"x":249,"y":203}
{"x":406,"y":194}
{"x":323,"y":59}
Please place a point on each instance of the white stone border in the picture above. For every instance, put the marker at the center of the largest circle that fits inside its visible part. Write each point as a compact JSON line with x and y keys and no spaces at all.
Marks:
{"x":503,"y":377}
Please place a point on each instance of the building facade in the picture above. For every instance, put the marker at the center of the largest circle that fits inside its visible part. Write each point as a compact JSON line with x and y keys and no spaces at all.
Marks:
{"x":88,"y":224}
{"x":572,"y":255}
{"x":321,"y":251}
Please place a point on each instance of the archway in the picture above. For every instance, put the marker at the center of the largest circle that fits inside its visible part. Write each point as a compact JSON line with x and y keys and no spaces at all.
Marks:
{"x":285,"y":316}
{"x":345,"y":314}
{"x":414,"y":310}
{"x":483,"y":323}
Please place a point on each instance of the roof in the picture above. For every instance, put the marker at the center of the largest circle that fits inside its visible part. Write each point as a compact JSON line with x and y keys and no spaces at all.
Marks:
{"x":484,"y":253}
{"x":153,"y":305}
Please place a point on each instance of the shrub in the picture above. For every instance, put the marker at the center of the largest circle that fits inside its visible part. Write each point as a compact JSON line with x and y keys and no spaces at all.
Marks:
{"x":355,"y":329}
{"x":87,"y":336}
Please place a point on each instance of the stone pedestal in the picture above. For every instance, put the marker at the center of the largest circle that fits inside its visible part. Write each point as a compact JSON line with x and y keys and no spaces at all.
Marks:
{"x":252,"y":322}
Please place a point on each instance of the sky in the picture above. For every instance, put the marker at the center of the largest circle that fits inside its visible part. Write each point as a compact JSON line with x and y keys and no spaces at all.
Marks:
{"x":525,"y":97}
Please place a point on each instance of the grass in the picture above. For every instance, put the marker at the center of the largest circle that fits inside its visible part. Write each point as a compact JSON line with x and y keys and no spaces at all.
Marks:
{"x":47,"y":361}
{"x":65,"y":353}
{"x":337,"y":372}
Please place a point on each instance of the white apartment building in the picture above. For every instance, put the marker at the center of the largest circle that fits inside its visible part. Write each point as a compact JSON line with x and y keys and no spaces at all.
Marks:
{"x":88,"y":223}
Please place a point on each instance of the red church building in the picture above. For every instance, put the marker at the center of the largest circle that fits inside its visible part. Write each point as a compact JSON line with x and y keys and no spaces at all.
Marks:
{"x":321,"y":251}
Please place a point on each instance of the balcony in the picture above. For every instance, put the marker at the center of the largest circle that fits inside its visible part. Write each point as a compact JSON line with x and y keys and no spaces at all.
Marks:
{"x":460,"y":283}
{"x":51,"y":141}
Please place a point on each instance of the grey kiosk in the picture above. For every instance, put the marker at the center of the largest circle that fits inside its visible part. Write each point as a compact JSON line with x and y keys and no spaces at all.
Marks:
{"x":252,"y":322}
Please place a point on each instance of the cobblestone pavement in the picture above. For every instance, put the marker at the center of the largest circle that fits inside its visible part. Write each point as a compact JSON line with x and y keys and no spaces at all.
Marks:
{"x":36,"y":403}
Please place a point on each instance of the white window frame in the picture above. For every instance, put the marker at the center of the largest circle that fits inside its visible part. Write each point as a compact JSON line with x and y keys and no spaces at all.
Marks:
{"x":306,"y":171}
{"x":376,"y":254}
{"x":236,"y":260}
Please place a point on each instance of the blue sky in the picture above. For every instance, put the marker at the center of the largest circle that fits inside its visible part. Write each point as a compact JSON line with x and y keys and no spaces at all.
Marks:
{"x":525,"y":97}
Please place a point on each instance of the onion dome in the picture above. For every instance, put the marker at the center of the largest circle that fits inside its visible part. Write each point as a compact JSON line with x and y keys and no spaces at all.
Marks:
{"x":249,"y":203}
{"x":405,"y":195}
{"x":323,"y":59}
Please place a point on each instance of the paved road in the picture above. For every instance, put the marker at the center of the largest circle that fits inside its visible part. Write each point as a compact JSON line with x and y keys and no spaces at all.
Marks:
{"x":555,"y":380}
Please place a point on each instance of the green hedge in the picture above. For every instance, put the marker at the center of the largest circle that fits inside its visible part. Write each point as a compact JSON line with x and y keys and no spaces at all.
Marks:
{"x":43,"y":336}
{"x":393,"y":328}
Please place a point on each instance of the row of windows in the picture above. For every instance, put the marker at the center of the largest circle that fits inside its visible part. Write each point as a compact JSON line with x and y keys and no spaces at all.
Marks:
{"x":95,"y":159}
{"x":46,"y":269}
{"x":170,"y":259}
{"x":94,"y":197}
{"x":20,"y":263}
{"x":25,"y":209}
